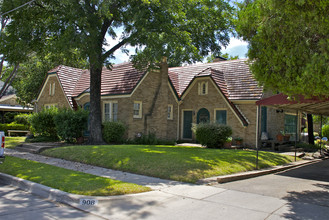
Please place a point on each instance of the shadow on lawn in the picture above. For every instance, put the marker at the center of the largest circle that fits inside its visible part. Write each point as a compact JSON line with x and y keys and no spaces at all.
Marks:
{"x":203,"y":160}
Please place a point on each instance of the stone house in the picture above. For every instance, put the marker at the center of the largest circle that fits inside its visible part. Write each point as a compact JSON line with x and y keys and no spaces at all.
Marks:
{"x":166,"y":101}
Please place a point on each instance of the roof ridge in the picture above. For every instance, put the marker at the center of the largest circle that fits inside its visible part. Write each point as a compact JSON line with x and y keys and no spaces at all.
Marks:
{"x":200,"y":64}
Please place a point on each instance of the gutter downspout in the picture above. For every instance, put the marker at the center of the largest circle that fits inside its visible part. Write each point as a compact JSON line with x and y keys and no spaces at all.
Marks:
{"x":178,"y":120}
{"x":297,"y":122}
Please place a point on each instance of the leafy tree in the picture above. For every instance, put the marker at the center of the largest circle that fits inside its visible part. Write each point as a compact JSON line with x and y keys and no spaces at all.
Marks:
{"x":32,"y":72}
{"x":288,"y":44}
{"x":181,"y":30}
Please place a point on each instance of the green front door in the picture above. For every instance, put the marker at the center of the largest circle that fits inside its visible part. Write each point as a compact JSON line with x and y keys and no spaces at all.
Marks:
{"x":187,"y":125}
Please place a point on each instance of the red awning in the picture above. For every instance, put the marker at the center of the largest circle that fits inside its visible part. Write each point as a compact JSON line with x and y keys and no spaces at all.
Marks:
{"x":313,"y":105}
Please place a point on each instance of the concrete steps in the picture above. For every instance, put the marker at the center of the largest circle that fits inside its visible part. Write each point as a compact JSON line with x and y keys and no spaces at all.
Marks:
{"x":36,"y":148}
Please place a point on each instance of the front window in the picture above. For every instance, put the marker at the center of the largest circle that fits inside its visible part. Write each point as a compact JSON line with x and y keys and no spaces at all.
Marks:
{"x":48,"y":106}
{"x":221,"y":117}
{"x":137,"y":109}
{"x":290,"y":123}
{"x":110,"y":111}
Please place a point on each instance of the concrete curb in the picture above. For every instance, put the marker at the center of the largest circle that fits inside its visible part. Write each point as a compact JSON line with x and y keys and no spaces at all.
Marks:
{"x":52,"y":194}
{"x":255,"y":173}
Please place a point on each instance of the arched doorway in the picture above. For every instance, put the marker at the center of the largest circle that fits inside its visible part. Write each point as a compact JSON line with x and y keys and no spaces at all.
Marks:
{"x":203,"y":116}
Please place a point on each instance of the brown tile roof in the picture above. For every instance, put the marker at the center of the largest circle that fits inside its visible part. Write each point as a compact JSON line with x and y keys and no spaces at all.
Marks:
{"x":233,"y":77}
{"x":121,"y":79}
{"x":68,"y":77}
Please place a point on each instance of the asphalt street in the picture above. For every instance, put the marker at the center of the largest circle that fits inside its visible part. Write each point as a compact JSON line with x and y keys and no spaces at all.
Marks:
{"x":16,"y":204}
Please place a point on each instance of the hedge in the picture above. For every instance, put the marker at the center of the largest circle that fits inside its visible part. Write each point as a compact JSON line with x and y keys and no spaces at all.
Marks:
{"x":13,"y":126}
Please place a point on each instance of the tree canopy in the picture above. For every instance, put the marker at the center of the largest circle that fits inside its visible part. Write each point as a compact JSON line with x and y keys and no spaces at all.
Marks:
{"x":181,"y":30}
{"x":288,"y":44}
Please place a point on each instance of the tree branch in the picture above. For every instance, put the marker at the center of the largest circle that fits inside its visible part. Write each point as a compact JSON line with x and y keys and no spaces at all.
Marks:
{"x":113,"y":49}
{"x":1,"y":66}
{"x":8,"y":81}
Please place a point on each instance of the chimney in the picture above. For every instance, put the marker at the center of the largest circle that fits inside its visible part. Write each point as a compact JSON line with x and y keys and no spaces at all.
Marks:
{"x":219,"y":59}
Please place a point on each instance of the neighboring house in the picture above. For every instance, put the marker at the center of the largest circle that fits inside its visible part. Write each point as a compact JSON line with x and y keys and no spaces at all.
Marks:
{"x":168,"y":101}
{"x":9,"y":104}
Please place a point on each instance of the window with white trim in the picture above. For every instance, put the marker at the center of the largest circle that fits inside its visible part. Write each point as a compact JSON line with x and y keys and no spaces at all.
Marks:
{"x":53,"y":92}
{"x":48,"y":106}
{"x":203,"y":88}
{"x":290,"y":123}
{"x":110,"y":111}
{"x":221,"y":116}
{"x":51,"y":89}
{"x":137,"y":109}
{"x":170,"y":115}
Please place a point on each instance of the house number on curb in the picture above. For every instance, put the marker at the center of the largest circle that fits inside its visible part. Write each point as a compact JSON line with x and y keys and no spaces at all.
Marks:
{"x":88,"y":201}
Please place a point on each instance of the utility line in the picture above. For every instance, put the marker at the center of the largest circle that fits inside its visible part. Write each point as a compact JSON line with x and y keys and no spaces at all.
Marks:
{"x":27,"y":3}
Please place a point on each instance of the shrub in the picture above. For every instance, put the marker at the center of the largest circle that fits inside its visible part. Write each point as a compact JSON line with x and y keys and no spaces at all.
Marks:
{"x":13,"y":126}
{"x":22,"y":119}
{"x":9,"y":117}
{"x":70,"y":124}
{"x":325,"y":131}
{"x":42,"y":123}
{"x":113,"y":132}
{"x":212,"y":135}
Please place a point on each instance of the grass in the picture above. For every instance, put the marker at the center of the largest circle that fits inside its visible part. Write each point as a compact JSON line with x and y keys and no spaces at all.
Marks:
{"x":12,"y":142}
{"x":67,"y":180}
{"x":187,"y":164}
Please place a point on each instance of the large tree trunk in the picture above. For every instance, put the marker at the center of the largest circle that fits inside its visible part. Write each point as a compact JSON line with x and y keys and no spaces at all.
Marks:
{"x":310,"y":129}
{"x":95,"y":105}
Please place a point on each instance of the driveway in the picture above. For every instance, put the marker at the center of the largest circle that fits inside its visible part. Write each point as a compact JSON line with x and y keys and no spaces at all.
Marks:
{"x":305,"y":189}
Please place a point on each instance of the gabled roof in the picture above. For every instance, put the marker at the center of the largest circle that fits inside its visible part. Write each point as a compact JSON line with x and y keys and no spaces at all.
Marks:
{"x":68,"y":77}
{"x":233,"y":77}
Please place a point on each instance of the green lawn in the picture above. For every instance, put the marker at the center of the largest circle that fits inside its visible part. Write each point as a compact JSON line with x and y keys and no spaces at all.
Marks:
{"x":187,"y":164}
{"x":12,"y":142}
{"x":67,"y":180}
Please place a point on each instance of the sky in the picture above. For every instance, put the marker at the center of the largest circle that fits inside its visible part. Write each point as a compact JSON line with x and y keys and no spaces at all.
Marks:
{"x":236,"y":47}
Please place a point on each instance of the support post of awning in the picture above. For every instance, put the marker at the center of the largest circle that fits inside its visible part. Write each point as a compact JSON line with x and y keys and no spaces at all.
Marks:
{"x":257,"y":134}
{"x":320,"y":134}
{"x":296,"y":133}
